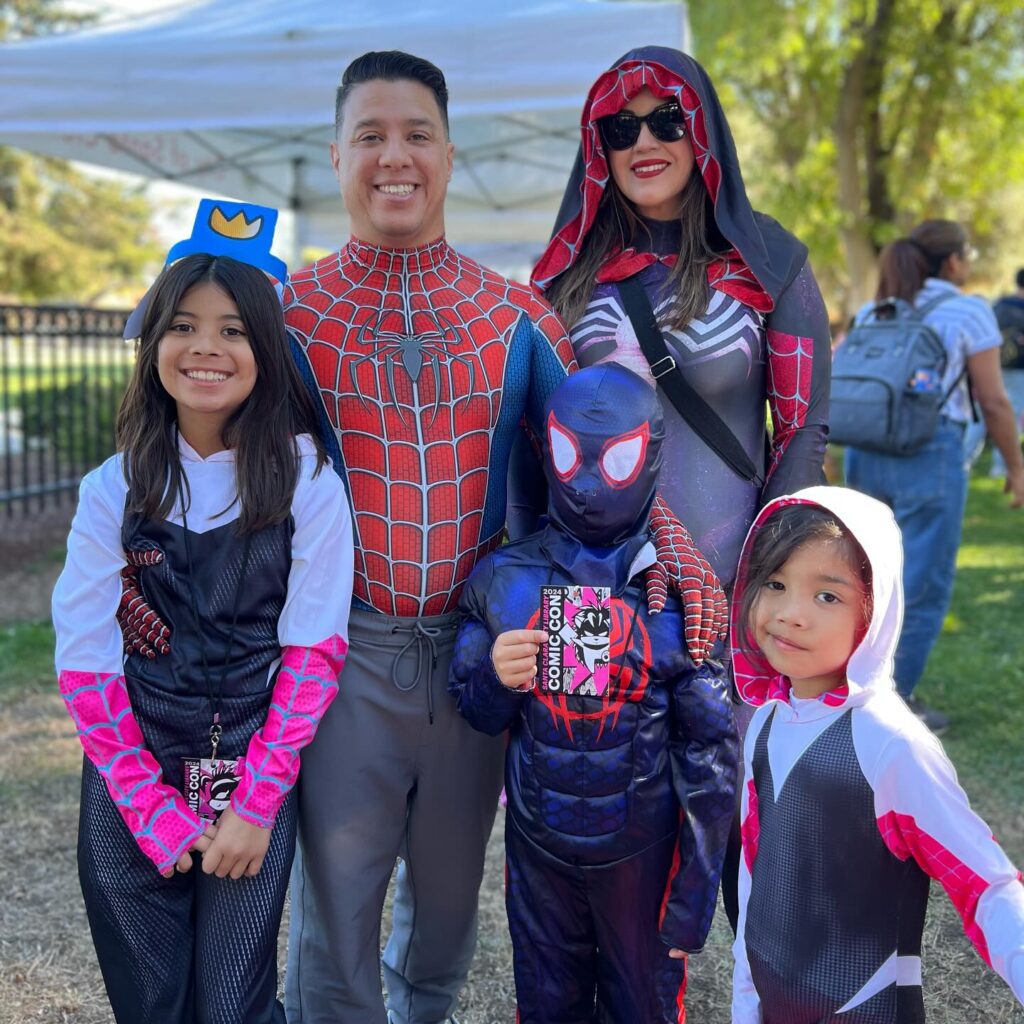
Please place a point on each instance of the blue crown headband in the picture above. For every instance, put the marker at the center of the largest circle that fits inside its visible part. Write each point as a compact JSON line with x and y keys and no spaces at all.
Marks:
{"x":242,"y":231}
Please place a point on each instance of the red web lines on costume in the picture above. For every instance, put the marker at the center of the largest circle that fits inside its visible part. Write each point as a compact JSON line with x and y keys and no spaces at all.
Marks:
{"x":417,"y":458}
{"x":610,"y":94}
{"x":156,"y":814}
{"x":790,"y":362}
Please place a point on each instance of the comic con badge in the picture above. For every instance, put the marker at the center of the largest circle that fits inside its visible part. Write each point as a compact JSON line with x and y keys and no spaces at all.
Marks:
{"x":578,"y":624}
{"x":209,"y":783}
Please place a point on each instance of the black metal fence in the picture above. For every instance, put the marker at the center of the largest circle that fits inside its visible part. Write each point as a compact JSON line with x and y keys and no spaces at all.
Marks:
{"x":62,"y":373}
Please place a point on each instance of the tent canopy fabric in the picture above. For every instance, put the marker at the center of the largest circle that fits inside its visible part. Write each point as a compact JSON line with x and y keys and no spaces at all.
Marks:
{"x":236,"y":97}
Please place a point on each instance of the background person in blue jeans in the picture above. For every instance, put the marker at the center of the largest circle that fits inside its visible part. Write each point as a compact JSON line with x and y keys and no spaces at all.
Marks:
{"x":927,"y":490}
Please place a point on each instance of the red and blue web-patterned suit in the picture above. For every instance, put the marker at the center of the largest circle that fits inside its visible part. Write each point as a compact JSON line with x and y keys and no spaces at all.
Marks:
{"x":426,"y":363}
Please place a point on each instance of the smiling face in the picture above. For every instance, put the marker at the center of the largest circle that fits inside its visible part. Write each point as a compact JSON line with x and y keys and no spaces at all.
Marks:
{"x":393,"y":160}
{"x":652,"y":174}
{"x":810,"y":615}
{"x":206,"y":364}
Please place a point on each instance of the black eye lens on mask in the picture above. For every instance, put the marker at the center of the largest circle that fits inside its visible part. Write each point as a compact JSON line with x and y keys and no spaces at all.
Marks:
{"x":621,"y":130}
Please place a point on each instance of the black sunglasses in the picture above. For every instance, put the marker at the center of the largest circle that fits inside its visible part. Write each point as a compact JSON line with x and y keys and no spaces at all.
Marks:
{"x":621,"y":130}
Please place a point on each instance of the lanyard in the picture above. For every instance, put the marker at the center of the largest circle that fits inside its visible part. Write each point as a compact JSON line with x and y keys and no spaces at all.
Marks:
{"x":214,"y":694}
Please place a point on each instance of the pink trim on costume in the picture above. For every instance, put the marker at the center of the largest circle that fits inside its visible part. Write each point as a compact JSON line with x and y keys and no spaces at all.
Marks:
{"x":306,"y":684}
{"x":905,"y":838}
{"x":837,"y":697}
{"x":156,"y":814}
{"x":750,"y":828}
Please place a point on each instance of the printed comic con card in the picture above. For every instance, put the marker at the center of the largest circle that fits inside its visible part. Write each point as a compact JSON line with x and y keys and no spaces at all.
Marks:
{"x":578,"y":623}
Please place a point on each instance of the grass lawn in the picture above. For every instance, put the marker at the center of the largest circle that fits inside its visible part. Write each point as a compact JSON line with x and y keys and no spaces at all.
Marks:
{"x":976,"y":671}
{"x":976,"y":674}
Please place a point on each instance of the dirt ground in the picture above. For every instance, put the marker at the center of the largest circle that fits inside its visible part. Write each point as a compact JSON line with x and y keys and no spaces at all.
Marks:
{"x":31,"y":552}
{"x":48,"y":971}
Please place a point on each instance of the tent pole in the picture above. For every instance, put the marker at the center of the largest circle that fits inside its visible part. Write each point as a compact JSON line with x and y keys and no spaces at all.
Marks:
{"x":298,"y":217}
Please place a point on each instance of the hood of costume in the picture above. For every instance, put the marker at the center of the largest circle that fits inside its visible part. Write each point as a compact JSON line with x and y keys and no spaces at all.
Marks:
{"x":869,"y":670}
{"x":603,"y":433}
{"x":762,"y":259}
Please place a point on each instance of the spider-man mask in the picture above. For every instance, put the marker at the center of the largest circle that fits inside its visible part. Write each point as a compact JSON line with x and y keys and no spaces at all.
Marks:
{"x":603,"y":431}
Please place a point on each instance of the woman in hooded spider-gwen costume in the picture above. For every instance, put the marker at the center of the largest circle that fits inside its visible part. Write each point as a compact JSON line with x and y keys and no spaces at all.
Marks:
{"x":620,"y":772}
{"x":849,"y":803}
{"x":656,"y":193}
{"x":656,"y":196}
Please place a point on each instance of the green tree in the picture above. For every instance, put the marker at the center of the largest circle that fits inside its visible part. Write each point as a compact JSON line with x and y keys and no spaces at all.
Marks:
{"x":64,"y":235}
{"x":859,"y":117}
{"x":22,"y":18}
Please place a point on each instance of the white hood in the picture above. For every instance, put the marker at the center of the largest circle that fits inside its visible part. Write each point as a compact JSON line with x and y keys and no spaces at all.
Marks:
{"x":870,"y":666}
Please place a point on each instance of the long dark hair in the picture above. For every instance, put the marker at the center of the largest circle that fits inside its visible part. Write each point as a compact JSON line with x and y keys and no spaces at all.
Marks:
{"x":904,"y":264}
{"x":617,"y":226}
{"x":785,"y":530}
{"x":262,"y":430}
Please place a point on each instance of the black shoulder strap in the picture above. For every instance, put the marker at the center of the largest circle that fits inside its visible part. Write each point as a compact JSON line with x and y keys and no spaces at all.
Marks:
{"x":704,"y":421}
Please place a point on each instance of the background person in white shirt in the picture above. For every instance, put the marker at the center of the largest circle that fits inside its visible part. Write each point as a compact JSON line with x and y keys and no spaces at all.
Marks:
{"x":927,"y":490}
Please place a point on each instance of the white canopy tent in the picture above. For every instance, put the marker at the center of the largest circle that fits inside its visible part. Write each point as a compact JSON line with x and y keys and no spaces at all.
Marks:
{"x":235,"y":97}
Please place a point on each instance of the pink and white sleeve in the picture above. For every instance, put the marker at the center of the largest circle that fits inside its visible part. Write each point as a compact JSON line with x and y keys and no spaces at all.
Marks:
{"x":156,"y":814}
{"x":923,"y":813}
{"x":313,"y":632}
{"x":89,"y":663}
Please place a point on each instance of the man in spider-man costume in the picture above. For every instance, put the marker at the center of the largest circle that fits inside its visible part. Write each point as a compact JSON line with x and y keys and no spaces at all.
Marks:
{"x":426,"y":363}
{"x":620,"y":786}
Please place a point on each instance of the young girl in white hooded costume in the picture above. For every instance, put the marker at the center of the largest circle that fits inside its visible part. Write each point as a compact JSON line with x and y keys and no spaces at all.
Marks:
{"x":849,"y":803}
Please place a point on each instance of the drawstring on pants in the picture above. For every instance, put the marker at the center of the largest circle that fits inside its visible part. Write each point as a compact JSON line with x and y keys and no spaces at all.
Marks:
{"x":422,"y":637}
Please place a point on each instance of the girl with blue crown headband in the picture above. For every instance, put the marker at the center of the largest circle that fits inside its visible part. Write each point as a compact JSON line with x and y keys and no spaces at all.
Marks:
{"x":245,"y":549}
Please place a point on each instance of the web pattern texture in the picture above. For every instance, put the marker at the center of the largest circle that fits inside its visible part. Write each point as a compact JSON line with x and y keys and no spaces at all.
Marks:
{"x":306,"y":684}
{"x":425,"y":362}
{"x":156,"y":814}
{"x":790,"y":362}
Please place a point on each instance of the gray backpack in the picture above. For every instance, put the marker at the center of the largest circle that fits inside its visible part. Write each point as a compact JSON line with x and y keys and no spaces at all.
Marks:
{"x":886,"y":394}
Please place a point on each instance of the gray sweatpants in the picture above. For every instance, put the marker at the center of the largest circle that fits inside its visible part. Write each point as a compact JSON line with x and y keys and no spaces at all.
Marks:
{"x":393,"y":771}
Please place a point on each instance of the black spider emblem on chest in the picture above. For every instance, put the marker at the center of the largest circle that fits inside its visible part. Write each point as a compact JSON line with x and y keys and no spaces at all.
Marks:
{"x":413,"y":352}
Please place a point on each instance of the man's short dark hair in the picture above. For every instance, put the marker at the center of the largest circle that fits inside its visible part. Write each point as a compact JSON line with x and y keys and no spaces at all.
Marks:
{"x":1020,"y":278}
{"x":392,"y":66}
